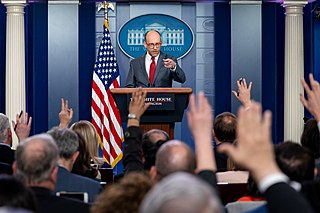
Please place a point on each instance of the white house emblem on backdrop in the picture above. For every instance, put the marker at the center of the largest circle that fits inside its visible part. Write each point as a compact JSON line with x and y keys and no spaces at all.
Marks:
{"x":177,"y":36}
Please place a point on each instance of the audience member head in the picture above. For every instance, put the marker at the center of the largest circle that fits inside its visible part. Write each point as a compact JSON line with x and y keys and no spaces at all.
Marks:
{"x":310,"y":137}
{"x":5,"y":130}
{"x":225,"y":127}
{"x":36,"y":161}
{"x":173,"y":156}
{"x":181,"y":192}
{"x":14,"y":194}
{"x":295,"y":161}
{"x":68,"y":143}
{"x":82,"y":165}
{"x":151,"y":142}
{"x":90,"y":136}
{"x":124,"y":196}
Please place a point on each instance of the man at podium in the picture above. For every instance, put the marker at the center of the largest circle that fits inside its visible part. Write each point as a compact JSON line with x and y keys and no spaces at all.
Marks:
{"x":154,"y":68}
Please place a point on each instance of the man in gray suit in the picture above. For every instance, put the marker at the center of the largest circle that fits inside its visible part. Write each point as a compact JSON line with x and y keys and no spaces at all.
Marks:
{"x":154,"y":69}
{"x":68,"y":143}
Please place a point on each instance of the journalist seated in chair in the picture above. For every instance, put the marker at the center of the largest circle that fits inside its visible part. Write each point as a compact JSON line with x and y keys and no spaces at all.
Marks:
{"x":67,"y":142}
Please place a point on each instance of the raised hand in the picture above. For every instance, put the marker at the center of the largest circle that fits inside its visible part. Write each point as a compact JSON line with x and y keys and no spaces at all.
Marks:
{"x":137,"y":106}
{"x":312,"y":103}
{"x":244,"y":92}
{"x":65,"y":115}
{"x":22,"y":126}
{"x":200,"y":121}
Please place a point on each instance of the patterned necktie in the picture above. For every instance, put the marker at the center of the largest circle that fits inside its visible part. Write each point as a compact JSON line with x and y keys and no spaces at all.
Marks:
{"x":152,"y":70}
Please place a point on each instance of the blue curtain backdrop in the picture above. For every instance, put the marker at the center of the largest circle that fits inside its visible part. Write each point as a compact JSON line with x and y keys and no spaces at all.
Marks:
{"x":222,"y":69}
{"x":37,"y":65}
{"x":273,"y":20}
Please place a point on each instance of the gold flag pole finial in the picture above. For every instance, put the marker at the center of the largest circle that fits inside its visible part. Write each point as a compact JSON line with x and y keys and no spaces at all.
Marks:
{"x":106,"y":6}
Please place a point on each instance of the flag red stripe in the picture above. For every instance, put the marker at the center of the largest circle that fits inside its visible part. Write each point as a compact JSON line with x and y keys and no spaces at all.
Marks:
{"x":114,"y":107}
{"x":106,"y":133}
{"x":98,"y":128}
{"x":111,"y":127}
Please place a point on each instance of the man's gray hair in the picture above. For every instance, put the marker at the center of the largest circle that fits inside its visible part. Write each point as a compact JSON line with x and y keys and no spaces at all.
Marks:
{"x":67,"y":141}
{"x":181,"y":192}
{"x":4,"y":126}
{"x":36,"y":157}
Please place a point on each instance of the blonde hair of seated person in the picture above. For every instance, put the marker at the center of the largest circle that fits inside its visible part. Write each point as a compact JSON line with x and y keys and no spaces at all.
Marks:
{"x":231,"y":165}
{"x":90,"y":136}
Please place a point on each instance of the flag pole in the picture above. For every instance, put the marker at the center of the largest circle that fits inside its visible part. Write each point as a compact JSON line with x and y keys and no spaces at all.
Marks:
{"x":105,"y":114}
{"x":106,"y":6}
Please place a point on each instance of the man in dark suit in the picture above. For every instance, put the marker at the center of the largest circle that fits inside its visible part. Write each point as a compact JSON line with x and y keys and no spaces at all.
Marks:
{"x":154,"y":69}
{"x":36,"y":166}
{"x":22,"y":128}
{"x":67,"y":142}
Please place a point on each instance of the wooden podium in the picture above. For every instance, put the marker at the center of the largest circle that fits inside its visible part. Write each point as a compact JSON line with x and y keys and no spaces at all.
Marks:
{"x":168,"y":105}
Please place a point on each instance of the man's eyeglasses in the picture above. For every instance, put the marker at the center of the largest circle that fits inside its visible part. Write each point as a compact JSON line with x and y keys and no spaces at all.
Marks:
{"x":152,"y":45}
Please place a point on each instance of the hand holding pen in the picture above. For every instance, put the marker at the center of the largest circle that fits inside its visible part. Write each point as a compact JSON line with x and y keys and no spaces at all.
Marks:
{"x":22,"y":126}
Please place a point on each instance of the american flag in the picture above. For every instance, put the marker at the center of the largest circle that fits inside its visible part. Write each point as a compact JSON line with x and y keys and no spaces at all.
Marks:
{"x":105,"y":114}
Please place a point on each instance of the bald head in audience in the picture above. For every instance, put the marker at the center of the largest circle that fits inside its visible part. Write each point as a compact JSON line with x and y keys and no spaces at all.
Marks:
{"x":173,"y":156}
{"x":36,"y":161}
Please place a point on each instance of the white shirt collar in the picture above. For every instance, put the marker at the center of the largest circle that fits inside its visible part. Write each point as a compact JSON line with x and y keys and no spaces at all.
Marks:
{"x":148,"y":56}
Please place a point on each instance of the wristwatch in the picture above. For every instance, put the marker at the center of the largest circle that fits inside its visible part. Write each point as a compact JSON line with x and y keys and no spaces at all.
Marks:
{"x":133,"y":116}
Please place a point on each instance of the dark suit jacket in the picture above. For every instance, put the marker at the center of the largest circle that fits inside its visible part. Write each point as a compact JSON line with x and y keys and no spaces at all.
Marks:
{"x":6,"y":154}
{"x":281,"y":197}
{"x":70,"y":182}
{"x":49,"y":203}
{"x":138,"y":76}
{"x":132,"y":150}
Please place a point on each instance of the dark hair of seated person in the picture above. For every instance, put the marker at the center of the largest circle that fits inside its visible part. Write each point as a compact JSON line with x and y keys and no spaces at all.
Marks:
{"x":149,"y":151}
{"x":82,"y":165}
{"x":15,"y":195}
{"x":295,"y":161}
{"x":151,"y":142}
